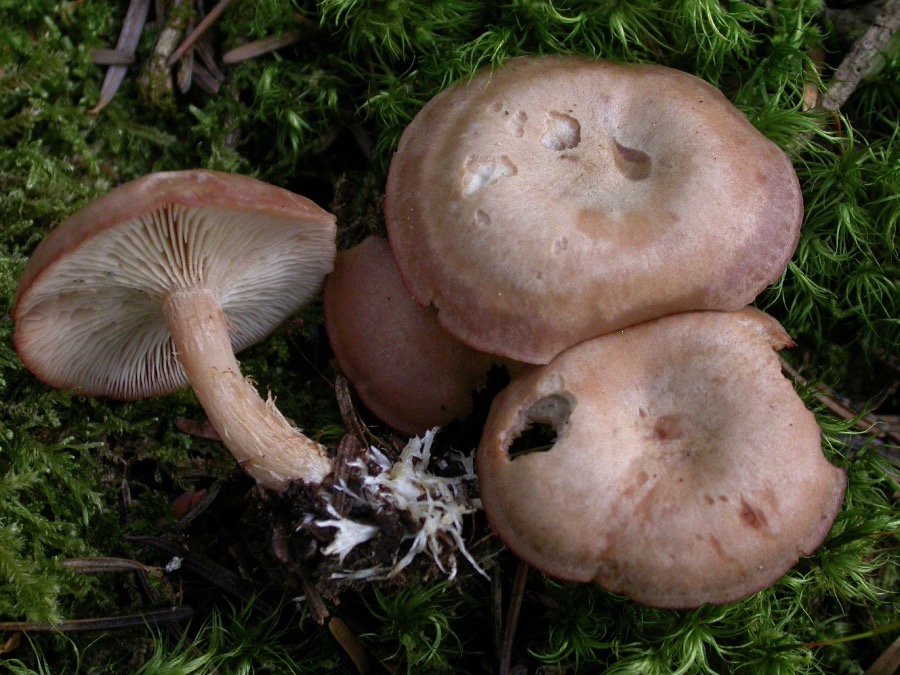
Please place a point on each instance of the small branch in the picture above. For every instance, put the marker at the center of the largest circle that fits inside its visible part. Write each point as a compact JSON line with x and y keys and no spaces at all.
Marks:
{"x":199,"y":31}
{"x":212,"y":571}
{"x":98,"y":565}
{"x":314,"y":601}
{"x":512,"y":616}
{"x":348,"y":412}
{"x":350,"y":417}
{"x":811,"y":92}
{"x":107,"y":623}
{"x":207,"y":54}
{"x":888,"y":662}
{"x":497,"y":610}
{"x":843,"y":408}
{"x":860,"y":58}
{"x":205,"y":79}
{"x":198,"y":429}
{"x":156,"y":78}
{"x":266,"y":45}
{"x":350,"y":448}
{"x":111,"y":57}
{"x":351,"y":644}
{"x":143,"y":572}
{"x":207,"y":498}
{"x":132,"y":28}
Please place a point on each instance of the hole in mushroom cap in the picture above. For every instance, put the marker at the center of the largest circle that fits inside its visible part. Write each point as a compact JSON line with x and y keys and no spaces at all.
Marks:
{"x":563,"y":131}
{"x":632,"y":163}
{"x":543,"y":422}
{"x":481,"y":171}
{"x":534,"y":438}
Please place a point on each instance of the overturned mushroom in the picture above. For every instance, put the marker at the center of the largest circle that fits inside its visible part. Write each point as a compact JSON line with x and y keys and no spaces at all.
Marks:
{"x":159,"y":282}
{"x":555,"y":199}
{"x":685,"y":468}
{"x":407,"y":369}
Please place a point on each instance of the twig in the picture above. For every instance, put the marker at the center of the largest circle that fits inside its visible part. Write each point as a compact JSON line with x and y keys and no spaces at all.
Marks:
{"x":351,"y":418}
{"x":205,"y":79}
{"x":208,"y":497}
{"x":197,"y":429}
{"x":132,"y":28}
{"x":512,"y":616}
{"x":98,"y":565}
{"x":111,"y":57}
{"x":209,"y":570}
{"x":879,"y":630}
{"x":861,"y":57}
{"x":497,"y":610}
{"x":349,"y":449}
{"x":810,"y":87}
{"x":143,"y":572}
{"x":348,"y":413}
{"x":266,"y":45}
{"x":207,"y":54}
{"x":68,"y":7}
{"x":889,"y":661}
{"x":156,"y":78}
{"x":314,"y":602}
{"x":107,"y":623}
{"x":11,"y":645}
{"x":351,"y":644}
{"x":831,"y":400}
{"x":198,"y":32}
{"x":184,"y":75}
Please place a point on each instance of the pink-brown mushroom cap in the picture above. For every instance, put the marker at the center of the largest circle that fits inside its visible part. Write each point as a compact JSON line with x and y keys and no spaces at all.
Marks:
{"x":408,"y":371}
{"x":88,"y":306}
{"x":686,"y":470}
{"x":558,"y":198}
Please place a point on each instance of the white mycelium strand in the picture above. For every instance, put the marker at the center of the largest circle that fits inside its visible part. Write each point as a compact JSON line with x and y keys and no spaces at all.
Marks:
{"x":434,"y":504}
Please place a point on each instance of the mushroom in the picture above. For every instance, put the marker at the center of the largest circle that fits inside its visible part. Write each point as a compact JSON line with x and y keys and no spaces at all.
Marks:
{"x":685,"y":469}
{"x":159,"y":282}
{"x":559,"y":198}
{"x":408,"y":371}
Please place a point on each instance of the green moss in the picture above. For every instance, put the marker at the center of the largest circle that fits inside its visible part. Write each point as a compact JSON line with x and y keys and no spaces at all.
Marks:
{"x":416,"y":623}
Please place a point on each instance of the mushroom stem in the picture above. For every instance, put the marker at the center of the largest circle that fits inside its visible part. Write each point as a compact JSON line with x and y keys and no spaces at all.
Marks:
{"x":263,"y":442}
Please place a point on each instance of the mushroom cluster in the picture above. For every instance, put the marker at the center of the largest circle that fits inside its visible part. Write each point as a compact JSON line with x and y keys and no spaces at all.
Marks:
{"x":604,"y":226}
{"x":159,"y":282}
{"x":598,"y":229}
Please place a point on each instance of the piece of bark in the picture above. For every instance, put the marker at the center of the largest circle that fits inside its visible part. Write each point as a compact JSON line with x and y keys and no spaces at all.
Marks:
{"x":861,"y":57}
